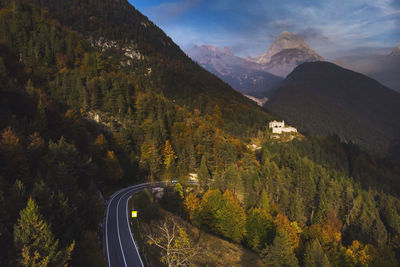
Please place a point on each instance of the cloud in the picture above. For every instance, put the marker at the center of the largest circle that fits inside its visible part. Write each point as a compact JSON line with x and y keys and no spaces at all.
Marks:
{"x":168,"y":11}
{"x":249,"y":27}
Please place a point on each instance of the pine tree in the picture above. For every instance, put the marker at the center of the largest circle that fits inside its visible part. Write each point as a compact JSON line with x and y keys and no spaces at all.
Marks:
{"x":231,"y":178}
{"x":264,"y":202}
{"x":204,"y":173}
{"x":41,"y":118}
{"x":211,"y":202}
{"x":314,"y":255}
{"x":231,"y":218}
{"x":281,"y":252}
{"x":35,"y":242}
{"x":260,"y":228}
{"x":150,"y":158}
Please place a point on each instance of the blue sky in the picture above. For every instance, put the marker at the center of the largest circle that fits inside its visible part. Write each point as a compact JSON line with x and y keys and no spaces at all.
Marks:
{"x":331,"y":27}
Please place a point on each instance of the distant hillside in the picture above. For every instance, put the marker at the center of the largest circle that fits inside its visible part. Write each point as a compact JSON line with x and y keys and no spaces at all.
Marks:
{"x":322,"y":98}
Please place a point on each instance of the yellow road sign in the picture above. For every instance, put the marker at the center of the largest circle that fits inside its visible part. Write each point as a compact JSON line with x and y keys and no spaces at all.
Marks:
{"x":134,"y":214}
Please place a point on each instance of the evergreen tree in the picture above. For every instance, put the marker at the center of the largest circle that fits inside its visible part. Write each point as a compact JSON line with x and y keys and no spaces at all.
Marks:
{"x":231,"y":178}
{"x":280,"y":253}
{"x":35,"y":242}
{"x":314,"y":255}
{"x":260,"y":228}
{"x":41,"y":119}
{"x":264,"y":202}
{"x":211,"y":202}
{"x":231,"y":218}
{"x":204,"y":173}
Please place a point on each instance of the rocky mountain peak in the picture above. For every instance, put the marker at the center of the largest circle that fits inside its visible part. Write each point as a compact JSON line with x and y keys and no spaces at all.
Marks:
{"x":286,"y":40}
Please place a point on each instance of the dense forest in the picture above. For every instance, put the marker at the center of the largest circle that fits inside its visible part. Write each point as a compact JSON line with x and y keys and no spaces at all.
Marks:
{"x":79,"y":121}
{"x":323,"y":98}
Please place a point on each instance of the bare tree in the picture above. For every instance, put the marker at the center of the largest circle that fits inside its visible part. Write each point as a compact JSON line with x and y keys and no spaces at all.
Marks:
{"x":176,"y":247}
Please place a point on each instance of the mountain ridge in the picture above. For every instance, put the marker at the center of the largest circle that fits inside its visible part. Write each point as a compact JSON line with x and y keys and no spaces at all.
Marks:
{"x":323,"y":98}
{"x":258,"y":76}
{"x":285,"y":40}
{"x":287,"y":51}
{"x":244,"y":76}
{"x":125,"y":32}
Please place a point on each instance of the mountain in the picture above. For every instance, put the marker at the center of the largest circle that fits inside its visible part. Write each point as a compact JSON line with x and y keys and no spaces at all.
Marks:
{"x":323,"y":98}
{"x":85,"y":112}
{"x":258,"y":76}
{"x":384,"y":66}
{"x":244,"y":76}
{"x":136,"y":44}
{"x":285,"y":53}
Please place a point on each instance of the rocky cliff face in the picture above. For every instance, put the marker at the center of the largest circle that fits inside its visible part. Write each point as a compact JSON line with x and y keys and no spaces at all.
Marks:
{"x":286,"y":52}
{"x":285,"y":40}
{"x":243,"y":75}
{"x":256,"y":75}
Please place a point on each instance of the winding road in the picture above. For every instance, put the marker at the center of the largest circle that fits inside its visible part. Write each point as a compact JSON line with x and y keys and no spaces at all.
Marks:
{"x":120,"y":247}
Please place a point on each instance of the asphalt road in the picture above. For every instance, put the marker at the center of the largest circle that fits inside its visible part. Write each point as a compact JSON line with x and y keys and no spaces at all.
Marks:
{"x":120,"y":247}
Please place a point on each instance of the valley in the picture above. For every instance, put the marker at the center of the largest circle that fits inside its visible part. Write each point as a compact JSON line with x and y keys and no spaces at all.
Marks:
{"x":98,"y":104}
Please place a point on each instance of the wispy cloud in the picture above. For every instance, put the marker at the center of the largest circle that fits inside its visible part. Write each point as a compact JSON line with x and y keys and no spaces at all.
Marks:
{"x":168,"y":11}
{"x":249,"y":27}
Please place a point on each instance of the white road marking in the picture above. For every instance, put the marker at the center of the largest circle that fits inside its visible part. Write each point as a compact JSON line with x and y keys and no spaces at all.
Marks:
{"x":127,"y":222}
{"x":108,"y":209}
{"x":119,"y":237}
{"x":129,"y":189}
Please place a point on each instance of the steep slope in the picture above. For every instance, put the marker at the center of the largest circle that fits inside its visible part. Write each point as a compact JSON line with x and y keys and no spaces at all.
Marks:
{"x":244,"y":76}
{"x":134,"y":43}
{"x":385,"y":68}
{"x":285,"y":53}
{"x":53,"y":151}
{"x":322,"y":98}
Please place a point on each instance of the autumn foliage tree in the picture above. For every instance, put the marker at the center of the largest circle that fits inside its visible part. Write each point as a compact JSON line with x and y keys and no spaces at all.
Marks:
{"x":168,"y":154}
{"x":12,"y":155}
{"x":191,"y":206}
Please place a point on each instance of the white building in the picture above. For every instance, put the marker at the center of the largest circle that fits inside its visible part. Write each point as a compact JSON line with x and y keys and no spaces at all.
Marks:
{"x":279,"y":127}
{"x":193,"y":177}
{"x":276,"y":124}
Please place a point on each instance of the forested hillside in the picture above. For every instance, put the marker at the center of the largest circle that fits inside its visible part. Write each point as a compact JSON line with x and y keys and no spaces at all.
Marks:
{"x":135,"y":45}
{"x":77,"y":122}
{"x":323,"y":98}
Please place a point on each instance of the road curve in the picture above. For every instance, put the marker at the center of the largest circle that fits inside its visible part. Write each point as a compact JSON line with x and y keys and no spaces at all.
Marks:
{"x":120,"y":247}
